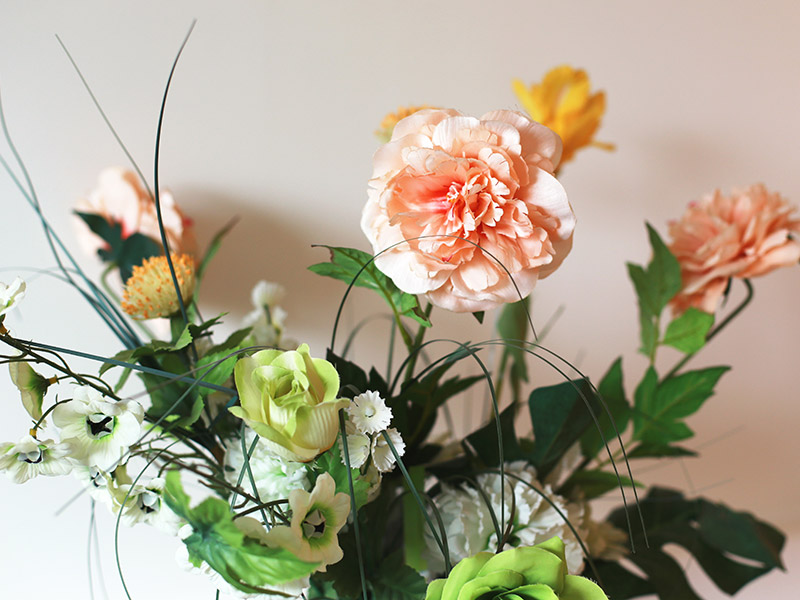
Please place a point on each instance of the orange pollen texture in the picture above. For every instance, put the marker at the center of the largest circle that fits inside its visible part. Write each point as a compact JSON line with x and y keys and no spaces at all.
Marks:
{"x":149,"y":292}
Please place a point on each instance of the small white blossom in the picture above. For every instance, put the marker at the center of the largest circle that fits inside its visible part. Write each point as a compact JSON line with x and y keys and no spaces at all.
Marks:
{"x":144,"y":503}
{"x":267,"y":319}
{"x":369,"y":413}
{"x":97,"y":429}
{"x":275,"y":477}
{"x":10,"y":295}
{"x":382,"y":454}
{"x":267,"y":293}
{"x":358,"y":447}
{"x":97,"y":483}
{"x":31,"y":457}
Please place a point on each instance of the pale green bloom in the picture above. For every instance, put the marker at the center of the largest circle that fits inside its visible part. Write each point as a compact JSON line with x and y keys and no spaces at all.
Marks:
{"x":143,"y":503}
{"x":31,"y":457}
{"x":526,"y":573}
{"x":317,"y":518}
{"x":290,"y":400}
{"x":32,"y":386}
{"x":10,"y":295}
{"x":98,"y":430}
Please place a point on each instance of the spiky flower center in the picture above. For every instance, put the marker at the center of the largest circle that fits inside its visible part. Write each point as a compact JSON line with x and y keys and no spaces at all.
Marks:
{"x":150,"y":292}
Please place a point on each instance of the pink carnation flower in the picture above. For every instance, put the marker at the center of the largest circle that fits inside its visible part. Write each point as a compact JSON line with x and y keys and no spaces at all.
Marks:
{"x":458,"y":181}
{"x":120,"y":198}
{"x":746,"y":234}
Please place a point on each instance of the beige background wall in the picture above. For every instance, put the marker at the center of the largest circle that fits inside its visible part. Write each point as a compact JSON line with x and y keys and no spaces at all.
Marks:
{"x":271,"y":117}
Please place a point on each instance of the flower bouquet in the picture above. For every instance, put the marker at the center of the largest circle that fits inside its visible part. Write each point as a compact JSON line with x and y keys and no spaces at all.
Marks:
{"x":283,"y":471}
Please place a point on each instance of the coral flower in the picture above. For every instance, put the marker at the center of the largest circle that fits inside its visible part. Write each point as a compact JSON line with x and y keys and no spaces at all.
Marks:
{"x":563,"y":102}
{"x":746,"y":234}
{"x":120,"y":198}
{"x":467,"y":210}
{"x":150,"y":293}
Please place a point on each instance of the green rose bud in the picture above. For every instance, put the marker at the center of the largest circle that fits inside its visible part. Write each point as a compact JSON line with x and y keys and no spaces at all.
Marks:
{"x":527,"y":573}
{"x":289,"y":399}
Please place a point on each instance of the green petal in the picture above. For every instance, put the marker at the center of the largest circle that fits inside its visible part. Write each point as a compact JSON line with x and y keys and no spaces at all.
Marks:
{"x":535,"y":591}
{"x":580,"y":588}
{"x":464,"y":571}
{"x":434,"y":591}
{"x":536,"y":565}
{"x":495,"y":581}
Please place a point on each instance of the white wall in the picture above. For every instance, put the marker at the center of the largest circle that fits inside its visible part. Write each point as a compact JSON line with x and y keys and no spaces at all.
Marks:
{"x":271,"y":117}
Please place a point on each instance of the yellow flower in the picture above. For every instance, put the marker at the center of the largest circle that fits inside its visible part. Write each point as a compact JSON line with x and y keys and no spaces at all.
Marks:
{"x":384,"y":134}
{"x":563,"y":103}
{"x":150,"y":293}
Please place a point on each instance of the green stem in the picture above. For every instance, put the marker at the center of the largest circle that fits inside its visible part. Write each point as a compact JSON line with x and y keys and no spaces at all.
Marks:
{"x":734,"y":313}
{"x":416,"y":343}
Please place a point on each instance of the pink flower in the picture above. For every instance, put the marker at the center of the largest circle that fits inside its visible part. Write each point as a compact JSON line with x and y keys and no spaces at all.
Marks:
{"x":458,"y":181}
{"x":120,"y":198}
{"x":743,"y":235}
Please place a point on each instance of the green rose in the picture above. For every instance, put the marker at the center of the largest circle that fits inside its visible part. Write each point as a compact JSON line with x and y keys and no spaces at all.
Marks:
{"x":527,"y":573}
{"x":289,"y":399}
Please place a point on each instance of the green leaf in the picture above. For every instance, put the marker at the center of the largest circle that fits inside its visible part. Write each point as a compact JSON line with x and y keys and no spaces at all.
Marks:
{"x":356,"y":267}
{"x":594,"y":483}
{"x":133,"y":251}
{"x":242,"y":561}
{"x":397,"y":581}
{"x":512,"y":325}
{"x":352,"y":378}
{"x":212,"y":250}
{"x":618,"y":582}
{"x":560,"y":416}
{"x":484,"y":440}
{"x":479,"y":316}
{"x":688,"y":332}
{"x":331,"y":462}
{"x":647,"y":450}
{"x":659,"y":409}
{"x":611,"y":390}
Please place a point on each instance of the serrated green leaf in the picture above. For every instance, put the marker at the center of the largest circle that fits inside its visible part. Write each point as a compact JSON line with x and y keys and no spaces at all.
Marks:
{"x":611,"y":390}
{"x":357,"y":267}
{"x":664,"y":272}
{"x":133,"y":251}
{"x":687,"y":332}
{"x":641,"y":283}
{"x":594,"y":483}
{"x":242,"y":561}
{"x":398,"y":581}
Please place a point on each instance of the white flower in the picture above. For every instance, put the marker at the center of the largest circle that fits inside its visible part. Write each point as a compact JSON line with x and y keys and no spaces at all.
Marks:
{"x":97,"y":483}
{"x":275,"y":477}
{"x":267,"y":293}
{"x":369,"y":413}
{"x":10,"y":295}
{"x":358,"y":447}
{"x":317,"y":518}
{"x":31,"y":457}
{"x":293,"y":590}
{"x":382,"y":454}
{"x":469,"y":527}
{"x":143,"y":503}
{"x":97,"y":429}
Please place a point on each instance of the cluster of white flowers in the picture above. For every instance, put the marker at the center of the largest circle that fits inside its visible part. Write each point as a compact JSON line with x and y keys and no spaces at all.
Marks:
{"x":468,"y":520}
{"x":367,"y":429}
{"x":274,"y":477}
{"x":267,"y":318}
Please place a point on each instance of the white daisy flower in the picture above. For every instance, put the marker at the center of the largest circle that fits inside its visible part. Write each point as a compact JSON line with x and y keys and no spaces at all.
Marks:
{"x":358,"y":447}
{"x":31,"y":457}
{"x":97,"y":429}
{"x":369,"y":413}
{"x":10,"y":295}
{"x":382,"y":454}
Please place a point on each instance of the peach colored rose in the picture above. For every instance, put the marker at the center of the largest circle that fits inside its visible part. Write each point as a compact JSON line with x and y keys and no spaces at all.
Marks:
{"x":120,"y":198}
{"x":445,"y":176}
{"x":746,"y":234}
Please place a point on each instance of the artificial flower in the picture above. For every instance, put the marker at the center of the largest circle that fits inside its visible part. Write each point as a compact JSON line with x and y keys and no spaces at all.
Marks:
{"x":525,"y":573}
{"x":368,"y":412}
{"x":150,"y":291}
{"x":468,"y":520}
{"x":358,"y":446}
{"x":267,"y":318}
{"x":10,"y":295}
{"x":384,"y":133}
{"x":466,"y":210}
{"x":120,"y":198}
{"x":317,"y":518}
{"x":749,"y":233}
{"x":98,"y":483}
{"x":31,"y":457}
{"x":143,"y":503}
{"x":32,"y":386}
{"x":97,"y":429}
{"x":290,"y":400}
{"x":382,"y":454}
{"x":274,"y":477}
{"x":563,"y":102}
